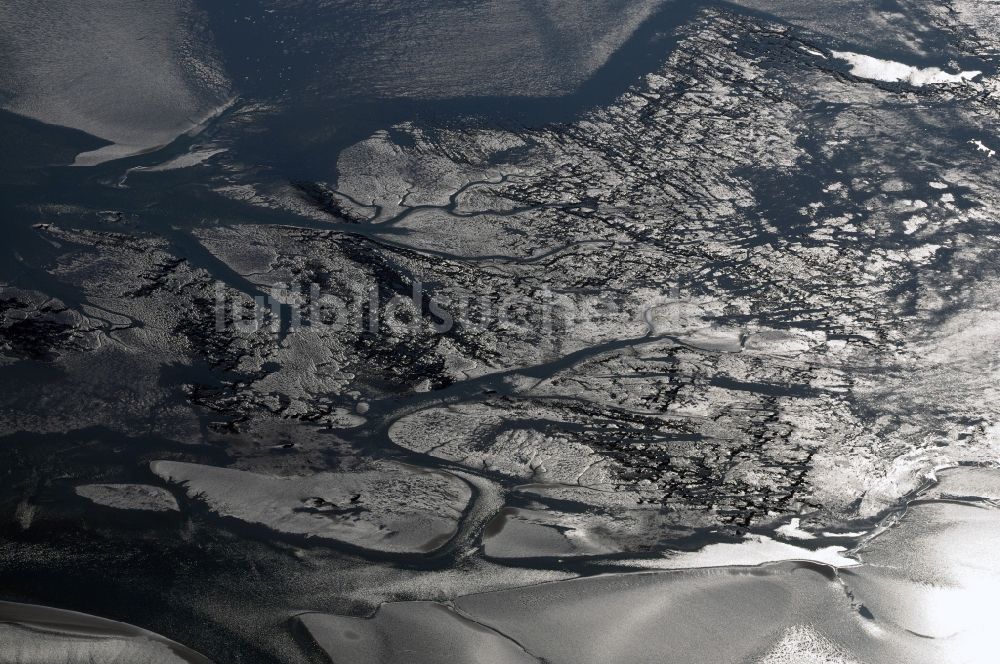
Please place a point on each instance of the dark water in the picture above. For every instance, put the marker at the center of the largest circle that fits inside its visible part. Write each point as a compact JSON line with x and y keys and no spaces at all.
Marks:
{"x":156,"y":571}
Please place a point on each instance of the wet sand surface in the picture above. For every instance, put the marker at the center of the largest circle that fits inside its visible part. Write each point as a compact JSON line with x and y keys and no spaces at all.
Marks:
{"x":925,"y":591}
{"x":41,"y":634}
{"x":504,"y":332}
